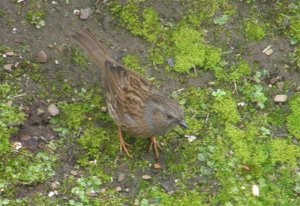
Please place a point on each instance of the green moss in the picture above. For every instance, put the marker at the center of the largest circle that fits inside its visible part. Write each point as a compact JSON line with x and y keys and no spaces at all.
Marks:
{"x":284,"y":152}
{"x":147,"y":27}
{"x":295,"y":30}
{"x":190,"y":51}
{"x":132,"y":62}
{"x":10,"y":117}
{"x":293,"y":123}
{"x":254,"y":31}
{"x":73,"y":115}
{"x":79,"y":58}
{"x":225,"y":109}
{"x":98,"y":144}
{"x":36,"y":18}
{"x":240,"y":71}
{"x":156,"y":196}
{"x":27,"y":168}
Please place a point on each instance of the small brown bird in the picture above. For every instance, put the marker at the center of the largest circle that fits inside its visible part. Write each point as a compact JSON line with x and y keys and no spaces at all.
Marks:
{"x":134,"y":104}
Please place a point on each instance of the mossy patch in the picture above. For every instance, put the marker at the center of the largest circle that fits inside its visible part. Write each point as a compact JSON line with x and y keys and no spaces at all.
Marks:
{"x":254,"y":31}
{"x":293,"y":123}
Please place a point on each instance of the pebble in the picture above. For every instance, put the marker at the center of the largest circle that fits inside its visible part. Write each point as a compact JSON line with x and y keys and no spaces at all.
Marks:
{"x":54,"y":185}
{"x":53,"y":110}
{"x":51,"y":194}
{"x":118,"y":189}
{"x":85,"y":13}
{"x":255,"y":190}
{"x":190,"y":137}
{"x":73,"y":172}
{"x":76,"y":12}
{"x":170,"y":62}
{"x":41,"y":57}
{"x":280,"y":98}
{"x":40,"y":111}
{"x":17,"y":145}
{"x":10,"y":54}
{"x":268,"y":51}
{"x":121,"y":177}
{"x":157,"y":166}
{"x":8,"y":67}
{"x":146,"y":177}
{"x":104,"y":109}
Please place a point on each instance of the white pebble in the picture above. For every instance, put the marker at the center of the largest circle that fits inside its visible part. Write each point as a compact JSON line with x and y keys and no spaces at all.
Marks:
{"x":53,"y":110}
{"x":17,"y":146}
{"x":51,"y":194}
{"x":280,"y":98}
{"x":191,"y":137}
{"x":255,"y":190}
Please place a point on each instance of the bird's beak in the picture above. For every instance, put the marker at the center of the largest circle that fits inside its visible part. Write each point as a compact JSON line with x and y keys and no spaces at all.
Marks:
{"x":183,"y":124}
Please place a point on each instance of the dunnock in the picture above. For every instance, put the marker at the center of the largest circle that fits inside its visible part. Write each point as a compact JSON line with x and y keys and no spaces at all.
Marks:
{"x":134,"y":104}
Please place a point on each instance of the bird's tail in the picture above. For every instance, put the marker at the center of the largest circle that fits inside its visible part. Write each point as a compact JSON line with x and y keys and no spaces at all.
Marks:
{"x":88,"y":41}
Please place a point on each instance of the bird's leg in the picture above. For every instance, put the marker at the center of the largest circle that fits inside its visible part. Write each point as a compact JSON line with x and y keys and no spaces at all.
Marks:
{"x":155,"y":146}
{"x":122,"y":143}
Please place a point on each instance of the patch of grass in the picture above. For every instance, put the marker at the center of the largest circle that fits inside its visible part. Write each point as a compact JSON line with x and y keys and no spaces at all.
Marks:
{"x":155,"y":196}
{"x":147,"y":27}
{"x":191,"y":52}
{"x":254,"y":31}
{"x":28,"y":168}
{"x":79,"y":58}
{"x":36,"y":18}
{"x":99,"y":145}
{"x":293,"y":123}
{"x":295,"y":30}
{"x":225,"y":109}
{"x":133,"y":63}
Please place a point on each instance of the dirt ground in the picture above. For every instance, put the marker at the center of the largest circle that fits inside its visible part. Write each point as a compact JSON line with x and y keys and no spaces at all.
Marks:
{"x":36,"y":132}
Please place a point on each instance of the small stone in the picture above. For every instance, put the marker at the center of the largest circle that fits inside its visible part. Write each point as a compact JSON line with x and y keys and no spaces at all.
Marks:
{"x":127,"y":189}
{"x":56,"y":61}
{"x":118,"y":189}
{"x":190,"y":137}
{"x":14,"y":30}
{"x":255,"y":190}
{"x":121,"y":177}
{"x":40,"y":111}
{"x":51,"y":194}
{"x":17,"y":146}
{"x":170,"y":62}
{"x":157,"y":166}
{"x":8,"y":67}
{"x":268,"y":51}
{"x":280,"y":85}
{"x":280,"y":98}
{"x":76,"y":12}
{"x":104,"y":109}
{"x":54,"y":185}
{"x":73,"y":172}
{"x":241,"y":104}
{"x":42,"y":57}
{"x":103,"y":190}
{"x":85,"y":13}
{"x":146,"y":177}
{"x":10,"y":54}
{"x":53,"y":110}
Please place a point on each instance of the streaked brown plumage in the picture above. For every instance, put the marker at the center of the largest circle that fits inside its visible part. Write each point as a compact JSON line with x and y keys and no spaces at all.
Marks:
{"x":134,"y":104}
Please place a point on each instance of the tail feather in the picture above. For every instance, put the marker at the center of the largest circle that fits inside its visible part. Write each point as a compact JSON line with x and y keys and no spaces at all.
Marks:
{"x":88,"y":41}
